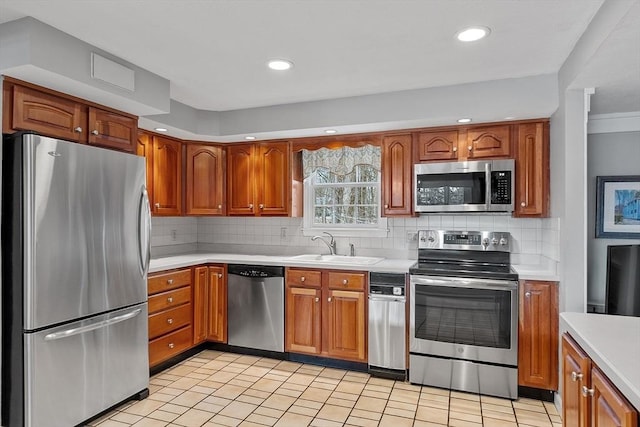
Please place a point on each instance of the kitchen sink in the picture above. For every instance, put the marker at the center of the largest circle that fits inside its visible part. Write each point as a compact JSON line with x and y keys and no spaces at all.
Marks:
{"x":337,"y":259}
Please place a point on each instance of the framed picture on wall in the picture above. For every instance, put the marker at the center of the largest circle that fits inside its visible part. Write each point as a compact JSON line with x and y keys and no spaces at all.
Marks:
{"x":618,"y":207}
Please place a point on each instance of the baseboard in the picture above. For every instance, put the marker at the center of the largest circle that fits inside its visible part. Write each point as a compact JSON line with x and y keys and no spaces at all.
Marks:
{"x":536,"y":393}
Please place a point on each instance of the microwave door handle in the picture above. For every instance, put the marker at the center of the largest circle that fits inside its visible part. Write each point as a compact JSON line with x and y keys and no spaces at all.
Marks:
{"x":487,"y":189}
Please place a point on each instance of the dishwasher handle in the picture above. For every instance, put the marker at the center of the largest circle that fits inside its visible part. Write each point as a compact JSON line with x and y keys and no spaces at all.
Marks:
{"x":386,"y":298}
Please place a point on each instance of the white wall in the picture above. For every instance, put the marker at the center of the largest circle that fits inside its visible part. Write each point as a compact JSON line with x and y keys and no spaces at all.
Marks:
{"x":608,"y":154}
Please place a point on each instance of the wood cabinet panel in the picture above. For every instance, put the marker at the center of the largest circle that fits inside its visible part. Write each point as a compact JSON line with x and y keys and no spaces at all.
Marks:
{"x":609,"y":407}
{"x":397,"y":175}
{"x":538,"y":335}
{"x":303,"y":320}
{"x":169,"y":299}
{"x":304,"y":278}
{"x":169,"y":320}
{"x":438,"y":145}
{"x":48,"y":114}
{"x":169,"y":345}
{"x":346,"y":334}
{"x":346,"y":281}
{"x":205,"y":180}
{"x":166,"y":281}
{"x":532,"y":170}
{"x":488,"y":142}
{"x":200,"y":303}
{"x":144,"y":148}
{"x":273,"y":178}
{"x":167,"y":177}
{"x":110,"y":130}
{"x":217,"y":305}
{"x":575,"y":374}
{"x":240,"y":179}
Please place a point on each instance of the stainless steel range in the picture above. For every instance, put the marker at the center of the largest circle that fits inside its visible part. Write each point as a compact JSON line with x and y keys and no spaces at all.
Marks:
{"x":464,"y":313}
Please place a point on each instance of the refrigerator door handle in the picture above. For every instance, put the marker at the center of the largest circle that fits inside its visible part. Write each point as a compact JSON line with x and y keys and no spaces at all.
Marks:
{"x":92,"y":326}
{"x":144,"y":227}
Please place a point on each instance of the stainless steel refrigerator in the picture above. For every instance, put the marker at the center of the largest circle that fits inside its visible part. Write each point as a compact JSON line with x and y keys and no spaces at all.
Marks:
{"x":75,"y":253}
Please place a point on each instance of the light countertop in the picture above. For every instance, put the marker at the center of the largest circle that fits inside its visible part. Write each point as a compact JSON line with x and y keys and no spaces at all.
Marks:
{"x":177,"y":261}
{"x":536,"y":272}
{"x":613,"y":343}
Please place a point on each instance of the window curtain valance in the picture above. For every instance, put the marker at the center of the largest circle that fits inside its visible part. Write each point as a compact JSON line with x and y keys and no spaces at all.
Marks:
{"x":340,"y":161}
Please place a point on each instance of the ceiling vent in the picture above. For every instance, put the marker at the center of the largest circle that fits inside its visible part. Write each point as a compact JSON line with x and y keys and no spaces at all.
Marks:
{"x":111,"y":72}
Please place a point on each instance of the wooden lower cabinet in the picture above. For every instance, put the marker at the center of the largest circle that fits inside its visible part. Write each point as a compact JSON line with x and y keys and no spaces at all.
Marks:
{"x":170,"y":314}
{"x":538,"y":335}
{"x":210,"y":300}
{"x":589,"y":399}
{"x":326,"y":317}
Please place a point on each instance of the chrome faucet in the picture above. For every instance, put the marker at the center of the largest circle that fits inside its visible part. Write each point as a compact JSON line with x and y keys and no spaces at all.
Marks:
{"x":331,"y":244}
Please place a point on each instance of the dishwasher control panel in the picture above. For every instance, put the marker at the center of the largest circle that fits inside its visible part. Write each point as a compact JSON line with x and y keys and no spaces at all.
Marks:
{"x":392,"y":284}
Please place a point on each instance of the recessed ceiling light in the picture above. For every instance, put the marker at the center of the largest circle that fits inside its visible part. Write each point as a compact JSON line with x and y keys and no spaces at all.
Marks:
{"x":161,"y":129}
{"x":472,"y":34}
{"x":509,"y":118}
{"x":330,"y":131}
{"x":279,"y":64}
{"x":465,"y":120}
{"x":249,"y":138}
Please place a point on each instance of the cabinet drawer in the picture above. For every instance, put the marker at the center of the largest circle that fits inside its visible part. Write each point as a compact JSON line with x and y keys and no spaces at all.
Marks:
{"x":169,"y":299}
{"x":352,"y":281}
{"x":166,"y":281}
{"x":304,"y":278}
{"x":169,"y":320}
{"x":169,"y":345}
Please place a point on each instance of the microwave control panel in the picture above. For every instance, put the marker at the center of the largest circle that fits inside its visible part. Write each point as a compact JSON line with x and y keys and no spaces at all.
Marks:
{"x":501,"y":187}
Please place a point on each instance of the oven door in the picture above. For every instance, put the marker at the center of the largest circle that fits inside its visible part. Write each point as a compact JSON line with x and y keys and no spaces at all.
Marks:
{"x":463,"y":318}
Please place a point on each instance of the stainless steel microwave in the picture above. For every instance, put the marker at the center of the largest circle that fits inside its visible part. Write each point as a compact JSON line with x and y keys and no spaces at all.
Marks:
{"x":476,"y":186}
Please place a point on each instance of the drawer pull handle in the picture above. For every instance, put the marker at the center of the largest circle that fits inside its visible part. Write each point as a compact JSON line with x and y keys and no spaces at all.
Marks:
{"x":95,"y":132}
{"x":170,"y":282}
{"x":576,"y":376}
{"x":317,"y":299}
{"x":329,"y":299}
{"x":345,"y":281}
{"x":77,"y":129}
{"x":219,"y":275}
{"x":586,"y":392}
{"x":170,"y":299}
{"x":170,"y":321}
{"x":171,"y":345}
{"x":302,"y":279}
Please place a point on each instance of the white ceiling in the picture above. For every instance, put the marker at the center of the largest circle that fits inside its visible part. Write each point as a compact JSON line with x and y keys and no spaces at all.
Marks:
{"x":214,"y":52}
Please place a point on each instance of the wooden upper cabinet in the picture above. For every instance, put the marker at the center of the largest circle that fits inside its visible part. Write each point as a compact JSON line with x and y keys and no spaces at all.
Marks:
{"x":200,"y":298}
{"x":48,"y":114}
{"x":144,"y":148}
{"x":346,"y":331}
{"x":439,"y":145}
{"x":532,"y":170}
{"x":167,"y":177}
{"x":609,"y":407}
{"x":488,"y":142}
{"x":259,"y":179}
{"x":217,"y":304}
{"x":273,"y":178}
{"x":576,"y":367}
{"x":205,"y":180}
{"x":112,"y":130}
{"x":397,"y":175}
{"x":538,"y":335}
{"x":303,"y":320}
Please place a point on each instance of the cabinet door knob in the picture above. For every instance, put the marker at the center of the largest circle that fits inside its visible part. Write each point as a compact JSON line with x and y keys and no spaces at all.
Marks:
{"x":219,"y":275}
{"x":576,"y":376}
{"x":157,"y":205}
{"x":586,"y":392}
{"x":219,"y":206}
{"x":77,"y":129}
{"x":317,"y":299}
{"x":454,"y":149}
{"x":261,"y":206}
{"x":523,"y":204}
{"x":345,"y":281}
{"x":386,"y":206}
{"x":250,"y":205}
{"x":470,"y":148}
{"x":169,"y":281}
{"x":170,"y":321}
{"x":329,"y":299}
{"x":527,"y":294}
{"x":95,"y":132}
{"x":170,"y":299}
{"x":302,"y":279}
{"x":171,"y":345}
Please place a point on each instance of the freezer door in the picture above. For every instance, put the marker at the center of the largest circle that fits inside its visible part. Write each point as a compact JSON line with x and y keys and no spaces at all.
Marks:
{"x":86,"y":229}
{"x":75,"y":371}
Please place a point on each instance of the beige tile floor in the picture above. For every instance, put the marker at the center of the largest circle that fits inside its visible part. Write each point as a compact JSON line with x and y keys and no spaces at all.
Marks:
{"x":225,"y":389}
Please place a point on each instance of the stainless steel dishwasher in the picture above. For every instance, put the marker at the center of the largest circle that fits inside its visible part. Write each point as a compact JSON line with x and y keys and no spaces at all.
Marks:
{"x":255,"y":307}
{"x":387,"y":325}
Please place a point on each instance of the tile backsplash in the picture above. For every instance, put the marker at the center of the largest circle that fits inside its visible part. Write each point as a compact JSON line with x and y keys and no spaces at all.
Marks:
{"x":531,"y":236}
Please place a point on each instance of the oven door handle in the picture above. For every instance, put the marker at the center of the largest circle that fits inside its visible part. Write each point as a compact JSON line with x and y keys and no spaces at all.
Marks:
{"x":463,"y":282}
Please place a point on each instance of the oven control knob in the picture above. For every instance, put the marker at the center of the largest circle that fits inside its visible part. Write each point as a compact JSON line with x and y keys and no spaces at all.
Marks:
{"x":494,"y":241}
{"x":431,"y":239}
{"x":503,"y":241}
{"x":485,"y":242}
